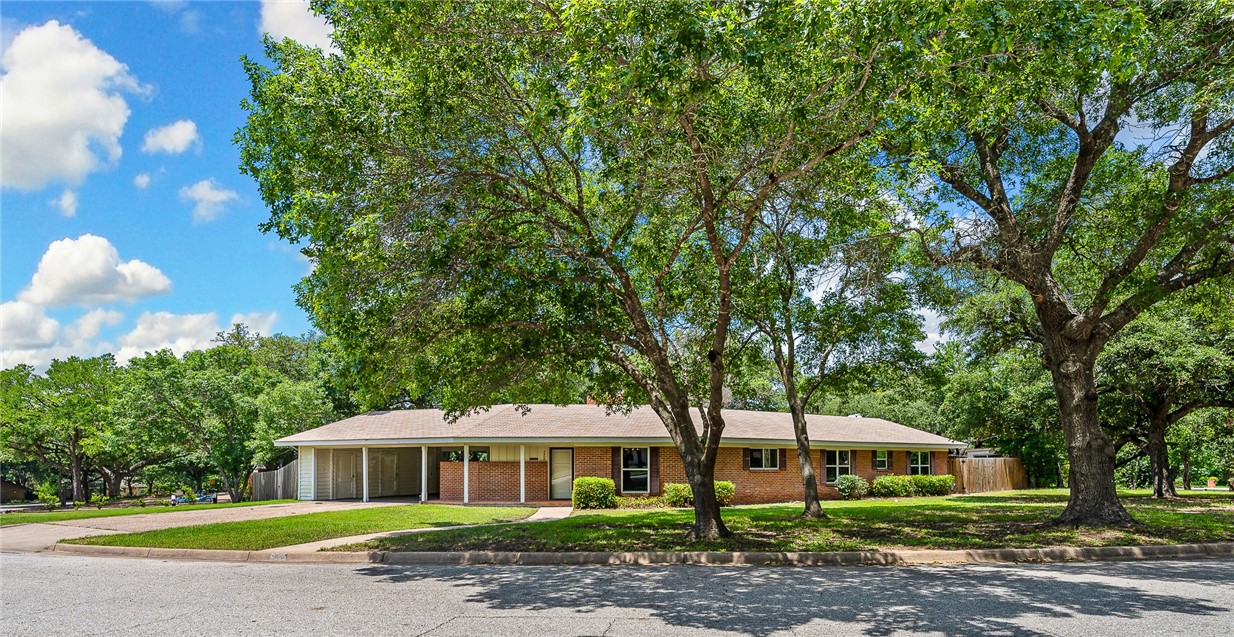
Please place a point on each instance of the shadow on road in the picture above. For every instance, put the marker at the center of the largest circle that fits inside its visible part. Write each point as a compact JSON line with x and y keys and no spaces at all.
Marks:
{"x":972,"y":600}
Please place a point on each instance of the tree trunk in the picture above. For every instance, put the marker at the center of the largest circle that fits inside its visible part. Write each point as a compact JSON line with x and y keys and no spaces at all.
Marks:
{"x":1159,"y":460}
{"x":1094,"y":498}
{"x":707,"y":522}
{"x":809,"y":479}
{"x":78,"y":479}
{"x":1187,"y":469}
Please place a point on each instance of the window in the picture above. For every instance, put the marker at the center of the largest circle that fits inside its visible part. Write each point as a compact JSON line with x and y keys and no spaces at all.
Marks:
{"x":478,"y":454}
{"x":764,"y":458}
{"x":919,"y":463}
{"x":882,"y":460}
{"x":635,"y":469}
{"x":837,"y":465}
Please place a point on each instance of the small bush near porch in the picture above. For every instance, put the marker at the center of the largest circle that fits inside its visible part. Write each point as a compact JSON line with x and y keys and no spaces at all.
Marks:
{"x":1007,"y":519}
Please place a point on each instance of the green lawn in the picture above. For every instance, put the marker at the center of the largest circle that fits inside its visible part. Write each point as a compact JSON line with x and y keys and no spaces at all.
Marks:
{"x":256,"y":535}
{"x":24,"y":517}
{"x":1009,"y":519}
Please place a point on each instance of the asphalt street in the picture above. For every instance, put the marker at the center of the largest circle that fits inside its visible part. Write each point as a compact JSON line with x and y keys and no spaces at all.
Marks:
{"x":66,"y":595}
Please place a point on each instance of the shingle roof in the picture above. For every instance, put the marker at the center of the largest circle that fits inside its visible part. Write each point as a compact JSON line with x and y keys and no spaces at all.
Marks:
{"x":593,"y":423}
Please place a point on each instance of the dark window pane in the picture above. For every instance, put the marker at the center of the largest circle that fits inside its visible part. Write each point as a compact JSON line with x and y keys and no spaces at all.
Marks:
{"x":634,"y":481}
{"x":634,"y":458}
{"x":831,"y":473}
{"x":756,"y":458}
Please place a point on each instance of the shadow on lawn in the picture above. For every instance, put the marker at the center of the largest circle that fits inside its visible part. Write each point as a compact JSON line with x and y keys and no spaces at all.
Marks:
{"x":973,"y":600}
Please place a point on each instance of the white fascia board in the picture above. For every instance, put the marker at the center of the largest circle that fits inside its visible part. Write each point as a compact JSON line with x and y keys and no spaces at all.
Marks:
{"x":583,"y":442}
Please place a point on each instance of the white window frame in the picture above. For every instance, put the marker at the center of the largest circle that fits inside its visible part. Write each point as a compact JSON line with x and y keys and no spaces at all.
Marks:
{"x":914,"y":467}
{"x":775,"y":455}
{"x":847,"y":465}
{"x":625,"y":470}
{"x":886,"y":460}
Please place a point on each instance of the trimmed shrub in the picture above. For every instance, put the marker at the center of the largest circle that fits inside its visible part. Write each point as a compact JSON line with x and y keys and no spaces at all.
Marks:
{"x":99,"y":500}
{"x":851,"y":487}
{"x":593,"y":493}
{"x":934,"y":485}
{"x":893,"y":487}
{"x":680,"y":495}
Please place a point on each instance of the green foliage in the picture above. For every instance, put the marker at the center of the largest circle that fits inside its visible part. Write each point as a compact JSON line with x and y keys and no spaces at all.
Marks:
{"x":852,"y":487}
{"x":98,"y":500}
{"x":893,"y":487}
{"x":48,"y":495}
{"x":641,"y":502}
{"x":933,"y":485}
{"x":680,"y":495}
{"x":593,"y":493}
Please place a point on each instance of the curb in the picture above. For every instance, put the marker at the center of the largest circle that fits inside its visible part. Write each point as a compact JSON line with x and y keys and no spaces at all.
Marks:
{"x":666,"y":558}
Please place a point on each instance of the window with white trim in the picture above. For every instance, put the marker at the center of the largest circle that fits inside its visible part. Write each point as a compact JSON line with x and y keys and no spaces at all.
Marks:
{"x":919,"y":463}
{"x":837,"y":464}
{"x":882,"y":460}
{"x":764,"y":458}
{"x":635,"y":469}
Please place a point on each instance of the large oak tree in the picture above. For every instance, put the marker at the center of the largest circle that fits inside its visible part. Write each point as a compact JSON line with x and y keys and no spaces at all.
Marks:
{"x":505,"y":198}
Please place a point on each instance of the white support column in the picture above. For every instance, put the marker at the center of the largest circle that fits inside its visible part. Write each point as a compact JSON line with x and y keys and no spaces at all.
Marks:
{"x":466,"y":473}
{"x":364,"y":470}
{"x":522,"y":473}
{"x":313,"y":475}
{"x":424,"y":473}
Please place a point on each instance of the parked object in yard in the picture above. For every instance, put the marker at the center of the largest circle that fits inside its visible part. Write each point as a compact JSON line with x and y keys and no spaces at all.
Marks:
{"x":200,"y":498}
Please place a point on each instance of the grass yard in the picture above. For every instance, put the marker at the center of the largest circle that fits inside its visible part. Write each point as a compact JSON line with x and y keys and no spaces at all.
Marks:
{"x":256,"y":535}
{"x":25,"y":517}
{"x":1008,"y":519}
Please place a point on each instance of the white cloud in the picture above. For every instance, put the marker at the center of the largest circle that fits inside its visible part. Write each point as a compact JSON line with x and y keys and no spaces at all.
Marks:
{"x":88,"y":325}
{"x":933,"y":330}
{"x":66,"y":203}
{"x":163,"y":330}
{"x":293,"y":19}
{"x":209,"y":199}
{"x":142,"y":181}
{"x":257,"y":322}
{"x":24,"y":325}
{"x":88,"y":271}
{"x":173,"y":139}
{"x":63,"y":105}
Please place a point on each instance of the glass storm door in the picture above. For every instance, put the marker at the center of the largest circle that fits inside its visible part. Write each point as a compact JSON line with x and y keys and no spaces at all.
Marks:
{"x":561,"y":472}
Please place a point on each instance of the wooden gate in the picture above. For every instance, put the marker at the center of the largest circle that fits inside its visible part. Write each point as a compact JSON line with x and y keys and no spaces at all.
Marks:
{"x":279,"y":484}
{"x":978,"y":475}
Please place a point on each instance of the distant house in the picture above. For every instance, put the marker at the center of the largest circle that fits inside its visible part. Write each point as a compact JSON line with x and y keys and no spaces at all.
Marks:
{"x":11,"y":491}
{"x":506,"y":455}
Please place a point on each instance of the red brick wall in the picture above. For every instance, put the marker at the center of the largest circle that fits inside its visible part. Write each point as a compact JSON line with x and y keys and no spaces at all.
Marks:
{"x":494,"y":481}
{"x":596,"y":462}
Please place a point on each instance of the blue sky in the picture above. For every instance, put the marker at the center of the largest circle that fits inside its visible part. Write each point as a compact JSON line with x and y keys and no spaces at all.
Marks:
{"x":125,"y":223}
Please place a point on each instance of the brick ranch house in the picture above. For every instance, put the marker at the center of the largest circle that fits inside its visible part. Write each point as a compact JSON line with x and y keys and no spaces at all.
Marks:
{"x":534,"y":453}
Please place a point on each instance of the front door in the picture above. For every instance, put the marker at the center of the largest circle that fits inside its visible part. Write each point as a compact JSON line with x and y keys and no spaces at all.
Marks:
{"x":345,"y":474}
{"x":561,"y":473}
{"x":389,"y":473}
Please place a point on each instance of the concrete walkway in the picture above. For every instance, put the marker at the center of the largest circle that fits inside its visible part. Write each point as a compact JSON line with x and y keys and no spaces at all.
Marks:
{"x":543,"y":514}
{"x":36,"y":537}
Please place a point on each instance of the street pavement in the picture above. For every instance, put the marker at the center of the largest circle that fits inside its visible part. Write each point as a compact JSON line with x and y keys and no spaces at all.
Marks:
{"x":42,"y":594}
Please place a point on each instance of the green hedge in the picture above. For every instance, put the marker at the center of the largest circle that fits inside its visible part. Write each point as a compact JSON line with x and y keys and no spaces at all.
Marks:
{"x":908,"y":486}
{"x":680,"y":495}
{"x":893,"y":487}
{"x":593,"y":493}
{"x":934,"y":485}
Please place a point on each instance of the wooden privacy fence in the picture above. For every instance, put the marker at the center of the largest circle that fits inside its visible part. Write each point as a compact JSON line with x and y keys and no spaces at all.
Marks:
{"x":978,"y":475}
{"x":278,"y":484}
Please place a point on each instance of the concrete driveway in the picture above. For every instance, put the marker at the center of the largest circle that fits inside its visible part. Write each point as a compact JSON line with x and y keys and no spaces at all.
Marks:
{"x":40,"y":537}
{"x":48,"y":595}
